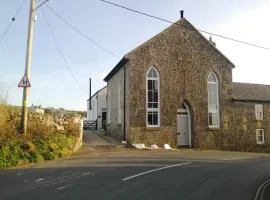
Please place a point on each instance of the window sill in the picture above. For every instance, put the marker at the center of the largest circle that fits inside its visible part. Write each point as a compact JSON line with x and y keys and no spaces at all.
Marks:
{"x":153,"y":128}
{"x":214,"y":129}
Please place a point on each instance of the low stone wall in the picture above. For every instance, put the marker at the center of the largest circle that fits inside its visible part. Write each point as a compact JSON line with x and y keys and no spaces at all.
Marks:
{"x":238,"y":130}
{"x":58,"y":122}
{"x":55,"y":121}
{"x":80,"y":138}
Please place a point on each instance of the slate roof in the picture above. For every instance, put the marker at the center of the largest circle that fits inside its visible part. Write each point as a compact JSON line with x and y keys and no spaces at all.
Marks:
{"x":119,"y":65}
{"x":251,"y":92}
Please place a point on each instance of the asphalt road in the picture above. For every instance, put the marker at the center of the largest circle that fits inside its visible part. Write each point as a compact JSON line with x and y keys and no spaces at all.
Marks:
{"x":140,"y":175}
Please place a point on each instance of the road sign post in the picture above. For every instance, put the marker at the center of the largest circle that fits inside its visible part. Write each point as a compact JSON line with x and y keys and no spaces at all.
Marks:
{"x":28,"y":62}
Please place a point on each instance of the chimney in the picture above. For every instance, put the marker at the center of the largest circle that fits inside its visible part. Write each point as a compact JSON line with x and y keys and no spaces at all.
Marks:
{"x":211,"y":41}
{"x":182,"y":14}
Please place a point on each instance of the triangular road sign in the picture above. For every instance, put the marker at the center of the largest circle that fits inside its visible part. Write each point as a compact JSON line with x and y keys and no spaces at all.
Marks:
{"x":24,"y":82}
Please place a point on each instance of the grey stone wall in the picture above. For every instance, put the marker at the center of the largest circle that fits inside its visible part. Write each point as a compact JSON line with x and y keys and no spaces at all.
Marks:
{"x":239,"y":128}
{"x":184,"y":60}
{"x":115,"y":113}
{"x":55,"y":121}
{"x":52,"y":120}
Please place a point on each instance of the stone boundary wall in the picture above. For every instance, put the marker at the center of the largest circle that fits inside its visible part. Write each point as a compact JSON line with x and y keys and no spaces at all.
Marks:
{"x":58,"y":122}
{"x":238,"y":130}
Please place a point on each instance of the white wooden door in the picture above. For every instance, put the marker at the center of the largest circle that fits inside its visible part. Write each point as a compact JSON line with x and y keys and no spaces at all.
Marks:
{"x":183,"y":133}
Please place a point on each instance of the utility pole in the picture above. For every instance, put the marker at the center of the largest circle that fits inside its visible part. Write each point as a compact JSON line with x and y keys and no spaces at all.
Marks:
{"x":28,"y":63}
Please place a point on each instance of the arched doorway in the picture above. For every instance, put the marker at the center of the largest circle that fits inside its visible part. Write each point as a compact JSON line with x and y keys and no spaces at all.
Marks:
{"x":184,"y":126}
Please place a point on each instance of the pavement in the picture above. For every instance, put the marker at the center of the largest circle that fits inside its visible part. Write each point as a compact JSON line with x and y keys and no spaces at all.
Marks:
{"x":133,"y":174}
{"x":98,"y":138}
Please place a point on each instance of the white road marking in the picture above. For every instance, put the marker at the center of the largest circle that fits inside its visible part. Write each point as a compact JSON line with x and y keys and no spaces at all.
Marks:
{"x":62,"y":181}
{"x":63,"y":187}
{"x":38,"y":180}
{"x":154,"y":170}
{"x":62,"y":177}
{"x":86,"y":174}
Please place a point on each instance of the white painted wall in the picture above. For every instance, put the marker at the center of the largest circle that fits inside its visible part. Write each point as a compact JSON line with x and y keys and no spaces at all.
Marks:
{"x":92,"y":114}
{"x":99,"y":104}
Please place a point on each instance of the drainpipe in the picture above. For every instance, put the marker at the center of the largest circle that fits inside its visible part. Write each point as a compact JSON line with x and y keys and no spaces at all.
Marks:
{"x":90,"y":103}
{"x":124,"y":135}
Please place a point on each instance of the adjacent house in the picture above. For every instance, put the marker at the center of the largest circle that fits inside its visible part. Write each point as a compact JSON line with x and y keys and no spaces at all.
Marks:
{"x":97,"y":108}
{"x":177,"y":88}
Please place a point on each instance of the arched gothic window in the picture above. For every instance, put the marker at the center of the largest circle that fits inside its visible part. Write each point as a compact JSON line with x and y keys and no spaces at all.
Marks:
{"x":152,"y":98}
{"x":213,"y":100}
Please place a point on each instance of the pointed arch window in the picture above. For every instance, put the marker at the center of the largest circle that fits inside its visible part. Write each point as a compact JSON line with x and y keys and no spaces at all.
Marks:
{"x":152,"y":98}
{"x":213,"y":100}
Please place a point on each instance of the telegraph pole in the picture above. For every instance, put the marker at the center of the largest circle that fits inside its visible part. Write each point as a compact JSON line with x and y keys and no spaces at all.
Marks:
{"x":28,"y":63}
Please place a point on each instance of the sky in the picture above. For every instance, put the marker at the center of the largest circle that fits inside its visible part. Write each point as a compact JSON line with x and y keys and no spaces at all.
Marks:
{"x":119,"y":31}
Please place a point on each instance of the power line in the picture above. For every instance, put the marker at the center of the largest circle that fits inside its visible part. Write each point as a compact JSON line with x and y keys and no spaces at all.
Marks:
{"x":10,"y":23}
{"x":165,"y":20}
{"x":41,"y":4}
{"x":81,"y":33}
{"x":61,"y":51}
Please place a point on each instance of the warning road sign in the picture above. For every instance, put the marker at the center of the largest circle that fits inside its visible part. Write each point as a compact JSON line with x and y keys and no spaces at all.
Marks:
{"x":24,"y":82}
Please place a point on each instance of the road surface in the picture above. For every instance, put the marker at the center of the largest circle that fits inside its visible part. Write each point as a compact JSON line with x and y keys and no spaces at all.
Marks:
{"x":187,"y":175}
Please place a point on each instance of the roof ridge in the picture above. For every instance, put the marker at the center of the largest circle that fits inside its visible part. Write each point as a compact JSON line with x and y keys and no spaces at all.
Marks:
{"x":97,"y":92}
{"x":152,"y":37}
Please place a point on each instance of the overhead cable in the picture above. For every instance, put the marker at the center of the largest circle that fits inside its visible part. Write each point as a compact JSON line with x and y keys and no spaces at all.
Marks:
{"x":62,"y":52}
{"x":81,"y":33}
{"x":202,"y":31}
{"x":11,"y":22}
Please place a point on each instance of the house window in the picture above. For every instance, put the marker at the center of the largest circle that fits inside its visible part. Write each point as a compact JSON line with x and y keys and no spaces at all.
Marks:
{"x":213,"y":101}
{"x":109,"y":107}
{"x":259,"y":112}
{"x":152,"y":98}
{"x":119,"y":104}
{"x":260,"y":136}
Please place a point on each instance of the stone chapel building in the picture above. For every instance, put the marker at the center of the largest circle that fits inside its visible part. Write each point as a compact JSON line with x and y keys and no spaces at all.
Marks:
{"x":177,"y":88}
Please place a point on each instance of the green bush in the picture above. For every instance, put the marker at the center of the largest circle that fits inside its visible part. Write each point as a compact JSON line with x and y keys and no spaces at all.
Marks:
{"x":21,"y":150}
{"x":35,"y":157}
{"x":10,"y":155}
{"x":40,"y":143}
{"x":49,"y":155}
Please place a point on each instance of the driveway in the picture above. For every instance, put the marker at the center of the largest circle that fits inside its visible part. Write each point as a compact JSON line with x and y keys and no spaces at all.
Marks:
{"x":97,"y":138}
{"x":187,"y":175}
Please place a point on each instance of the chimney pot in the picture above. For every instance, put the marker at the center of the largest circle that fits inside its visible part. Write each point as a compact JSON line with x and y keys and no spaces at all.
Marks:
{"x":182,"y":14}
